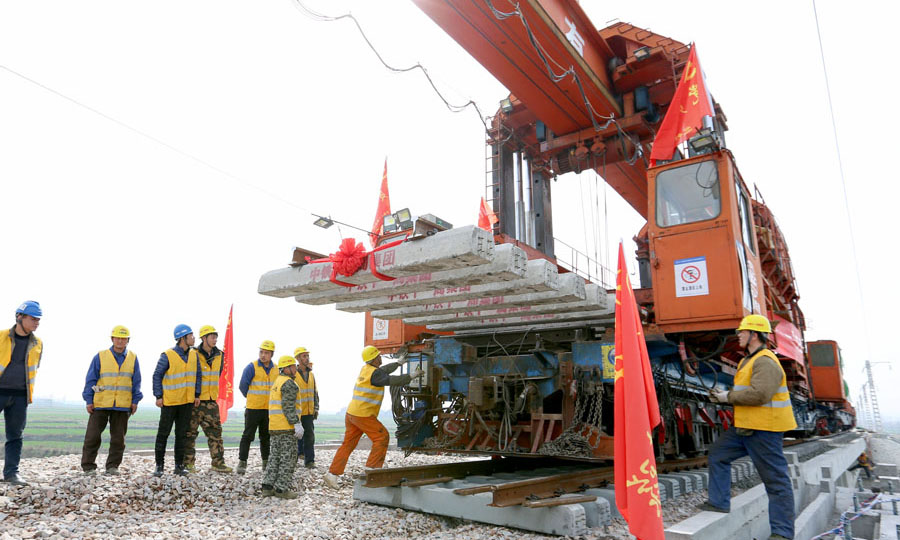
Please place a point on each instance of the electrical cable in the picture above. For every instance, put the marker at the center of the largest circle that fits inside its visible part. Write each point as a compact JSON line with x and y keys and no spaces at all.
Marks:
{"x":155,"y":139}
{"x":450,"y":106}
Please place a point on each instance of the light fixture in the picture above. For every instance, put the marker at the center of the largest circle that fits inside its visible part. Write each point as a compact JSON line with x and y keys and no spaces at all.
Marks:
{"x":323,"y":222}
{"x":404,"y":219}
{"x":506,"y":105}
{"x":704,"y":141}
{"x":642,"y":54}
{"x":389,"y":224}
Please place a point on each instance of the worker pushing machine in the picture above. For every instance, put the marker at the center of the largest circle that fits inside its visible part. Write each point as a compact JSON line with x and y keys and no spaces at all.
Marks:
{"x":256,"y":383}
{"x":112,"y":390}
{"x":206,"y":415}
{"x":20,"y":356}
{"x":762,"y":413}
{"x":362,"y":413}
{"x":309,"y":407}
{"x":285,"y":430}
{"x":176,"y":385}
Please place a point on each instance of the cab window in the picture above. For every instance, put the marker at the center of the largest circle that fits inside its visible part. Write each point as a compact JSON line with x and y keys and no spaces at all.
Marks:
{"x":688,"y":194}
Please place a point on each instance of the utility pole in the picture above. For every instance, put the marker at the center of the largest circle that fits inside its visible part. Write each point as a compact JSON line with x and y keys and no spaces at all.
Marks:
{"x":873,"y":398}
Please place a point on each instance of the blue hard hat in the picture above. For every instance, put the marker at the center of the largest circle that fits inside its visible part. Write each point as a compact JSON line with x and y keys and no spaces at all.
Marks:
{"x":182,"y":330}
{"x":30,"y":307}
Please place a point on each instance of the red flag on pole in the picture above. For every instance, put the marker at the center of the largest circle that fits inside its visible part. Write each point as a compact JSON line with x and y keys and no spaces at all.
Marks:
{"x":486,"y":216}
{"x":226,"y":378}
{"x":637,"y":488}
{"x":685,"y":115}
{"x":384,"y":207}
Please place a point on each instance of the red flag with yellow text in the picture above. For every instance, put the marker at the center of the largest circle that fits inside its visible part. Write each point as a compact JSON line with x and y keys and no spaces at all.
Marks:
{"x":384,"y":207}
{"x":486,"y":216}
{"x":685,"y":115}
{"x":637,"y":488}
{"x":226,"y":378}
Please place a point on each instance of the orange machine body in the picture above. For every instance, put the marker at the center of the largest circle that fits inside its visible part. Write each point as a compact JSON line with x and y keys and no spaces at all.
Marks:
{"x":825,"y":365}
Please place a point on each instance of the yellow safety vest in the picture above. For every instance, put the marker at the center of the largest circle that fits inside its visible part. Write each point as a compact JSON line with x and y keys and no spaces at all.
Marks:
{"x":260,"y":386}
{"x":209,"y":375}
{"x":115,"y":381}
{"x":31,"y":362}
{"x":366,"y":397}
{"x":180,"y":381}
{"x":776,"y":415}
{"x":306,"y":397}
{"x":277,"y":419}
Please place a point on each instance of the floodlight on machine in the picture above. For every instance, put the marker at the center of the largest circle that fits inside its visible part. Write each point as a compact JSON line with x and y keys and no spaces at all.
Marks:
{"x":704,"y":141}
{"x":323,"y":222}
{"x":389,"y":224}
{"x":642,"y":53}
{"x":506,"y":105}
{"x":404,"y":219}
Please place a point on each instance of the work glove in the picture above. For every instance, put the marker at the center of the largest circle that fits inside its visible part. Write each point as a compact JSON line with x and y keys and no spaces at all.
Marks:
{"x":417,"y":373}
{"x":720,"y":396}
{"x":402,"y":356}
{"x":298,"y":431}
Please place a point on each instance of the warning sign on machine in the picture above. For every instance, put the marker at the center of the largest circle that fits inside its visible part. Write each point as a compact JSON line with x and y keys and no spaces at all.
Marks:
{"x":690,"y":277}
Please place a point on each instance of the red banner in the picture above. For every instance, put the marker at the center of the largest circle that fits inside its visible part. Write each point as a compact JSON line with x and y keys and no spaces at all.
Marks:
{"x":226,"y":379}
{"x":383,"y":209}
{"x":637,"y":488}
{"x":685,"y":115}
{"x":486,"y":216}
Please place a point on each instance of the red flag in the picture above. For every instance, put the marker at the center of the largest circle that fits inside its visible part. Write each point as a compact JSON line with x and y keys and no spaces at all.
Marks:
{"x":685,"y":115}
{"x":226,"y":378}
{"x":384,"y":207}
{"x":637,"y":488}
{"x":486,"y":216}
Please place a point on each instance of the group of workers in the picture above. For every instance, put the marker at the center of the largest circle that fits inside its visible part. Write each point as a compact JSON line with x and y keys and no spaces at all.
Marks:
{"x":282,"y":403}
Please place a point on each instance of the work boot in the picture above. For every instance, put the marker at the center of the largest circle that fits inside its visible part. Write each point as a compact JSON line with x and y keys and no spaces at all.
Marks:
{"x":265,"y":463}
{"x":706,"y":507}
{"x":190,"y":468}
{"x":310,"y":465}
{"x":90,"y":472}
{"x":285,"y":494}
{"x":159,"y":471}
{"x":331,"y":480}
{"x":267,"y":490}
{"x":180,"y":470}
{"x":221,"y":467}
{"x":242,"y":467}
{"x":15,"y":480}
{"x":112,"y":471}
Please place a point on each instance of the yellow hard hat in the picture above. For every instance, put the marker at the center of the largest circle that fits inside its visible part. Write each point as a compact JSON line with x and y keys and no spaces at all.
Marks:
{"x":267,"y":346}
{"x":299,"y":350}
{"x":370,"y":353}
{"x":120,"y":331}
{"x":286,"y":361}
{"x":206,"y":330}
{"x":755,"y":323}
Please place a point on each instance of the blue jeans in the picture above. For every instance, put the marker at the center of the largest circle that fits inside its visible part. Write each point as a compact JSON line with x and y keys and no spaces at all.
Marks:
{"x":14,"y":410}
{"x":766,"y":451}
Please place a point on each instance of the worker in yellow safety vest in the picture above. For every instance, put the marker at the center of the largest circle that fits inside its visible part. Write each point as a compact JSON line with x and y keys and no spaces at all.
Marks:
{"x":256,"y":383}
{"x":762,"y":413}
{"x":176,"y":385}
{"x":285,"y":430}
{"x":309,"y":406}
{"x":362,"y":413}
{"x":206,"y":415}
{"x":20,"y":356}
{"x":112,"y":390}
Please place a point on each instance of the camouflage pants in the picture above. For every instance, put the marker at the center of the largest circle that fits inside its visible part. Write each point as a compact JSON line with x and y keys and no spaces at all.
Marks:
{"x":207,"y":417}
{"x":282,"y":459}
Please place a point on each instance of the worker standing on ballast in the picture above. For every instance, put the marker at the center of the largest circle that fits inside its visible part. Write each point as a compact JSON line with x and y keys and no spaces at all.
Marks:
{"x":309,"y":407}
{"x":762,"y":413}
{"x":256,"y":383}
{"x":362,"y":413}
{"x":206,"y":415}
{"x":285,"y":430}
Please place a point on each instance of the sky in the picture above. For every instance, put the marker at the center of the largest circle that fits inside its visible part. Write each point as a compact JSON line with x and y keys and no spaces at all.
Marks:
{"x":157,"y":158}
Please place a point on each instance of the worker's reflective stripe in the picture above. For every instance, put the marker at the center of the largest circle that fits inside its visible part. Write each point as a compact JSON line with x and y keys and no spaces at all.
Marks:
{"x":176,"y":386}
{"x":260,"y":386}
{"x":373,"y":391}
{"x":779,"y":390}
{"x":367,"y":400}
{"x":258,"y":392}
{"x":277,"y":419}
{"x":777,"y":404}
{"x":114,"y":388}
{"x":306,"y":396}
{"x":115,"y":374}
{"x":180,"y":380}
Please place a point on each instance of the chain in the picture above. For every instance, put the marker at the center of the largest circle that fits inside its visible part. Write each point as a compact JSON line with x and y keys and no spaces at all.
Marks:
{"x":575,"y":440}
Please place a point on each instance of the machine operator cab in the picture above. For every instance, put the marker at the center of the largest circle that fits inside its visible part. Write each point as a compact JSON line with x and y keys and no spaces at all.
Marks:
{"x":704,"y":260}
